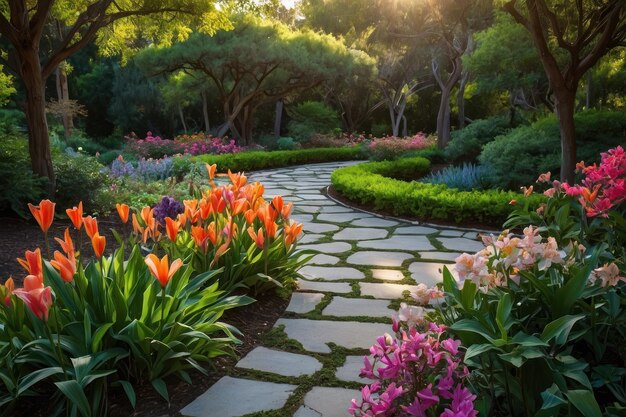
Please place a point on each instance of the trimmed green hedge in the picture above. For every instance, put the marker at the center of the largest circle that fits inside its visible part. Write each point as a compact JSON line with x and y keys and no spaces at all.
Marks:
{"x":256,"y":160}
{"x":370,"y":184}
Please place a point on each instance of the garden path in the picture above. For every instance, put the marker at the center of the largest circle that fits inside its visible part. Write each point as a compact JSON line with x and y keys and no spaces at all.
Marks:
{"x":347,"y":294}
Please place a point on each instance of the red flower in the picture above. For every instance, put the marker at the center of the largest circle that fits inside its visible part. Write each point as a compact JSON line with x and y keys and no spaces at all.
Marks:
{"x":76,"y":215}
{"x":43,"y":213}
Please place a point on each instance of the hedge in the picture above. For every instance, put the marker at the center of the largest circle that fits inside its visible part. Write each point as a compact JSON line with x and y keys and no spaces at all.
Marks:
{"x":256,"y":160}
{"x":370,"y":184}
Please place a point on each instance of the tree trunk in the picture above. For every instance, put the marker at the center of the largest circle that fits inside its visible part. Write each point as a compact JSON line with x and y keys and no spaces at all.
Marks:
{"x":38,"y":138}
{"x":443,"y":119}
{"x":565,"y":102}
{"x":405,"y":131}
{"x":205,"y":112}
{"x":63,"y":95}
{"x":460,"y":99}
{"x":278,"y":118}
{"x":182,"y":118}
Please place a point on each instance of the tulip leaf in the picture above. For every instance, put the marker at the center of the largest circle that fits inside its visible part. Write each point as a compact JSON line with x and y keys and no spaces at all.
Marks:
{"x":161,"y":388}
{"x":37,"y":376}
{"x":74,"y":392}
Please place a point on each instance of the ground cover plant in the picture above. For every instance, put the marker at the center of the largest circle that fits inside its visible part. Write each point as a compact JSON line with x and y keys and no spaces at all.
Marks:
{"x":375,"y":184}
{"x":87,"y":319}
{"x":539,"y":315}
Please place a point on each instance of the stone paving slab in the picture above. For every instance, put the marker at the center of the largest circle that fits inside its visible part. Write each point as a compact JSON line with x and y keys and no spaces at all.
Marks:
{"x":385,"y":291}
{"x":461,"y":244}
{"x":218,"y":401}
{"x":451,"y":233}
{"x":336,"y":209}
{"x":351,"y":307}
{"x":378,"y":258}
{"x":374,"y":222}
{"x":440,"y":256}
{"x":340,"y":217}
{"x":410,"y":242}
{"x":320,"y":227}
{"x":388,"y":274}
{"x":310,"y":238}
{"x":302,"y":218}
{"x":330,"y":273}
{"x":322,"y":259}
{"x":415,"y":230}
{"x":327,"y":402}
{"x":303,"y":302}
{"x":360,"y":233}
{"x":315,"y":334}
{"x":278,"y":362}
{"x":351,"y":369}
{"x":334,"y":287}
{"x":333,"y":247}
{"x":426,"y":273}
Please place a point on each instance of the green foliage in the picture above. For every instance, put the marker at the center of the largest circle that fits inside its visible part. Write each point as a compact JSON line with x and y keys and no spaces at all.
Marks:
{"x":18,"y":184}
{"x":517,"y":156}
{"x":365,"y":184}
{"x":80,"y":178}
{"x":12,"y":121}
{"x":467,"y":143}
{"x":286,"y":144}
{"x":311,"y":117}
{"x":256,"y":160}
{"x":7,"y":88}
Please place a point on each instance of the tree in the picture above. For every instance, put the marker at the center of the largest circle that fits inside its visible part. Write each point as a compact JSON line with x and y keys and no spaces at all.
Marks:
{"x":254,"y":64}
{"x":22,"y":24}
{"x":505,"y":59}
{"x":586,"y":31}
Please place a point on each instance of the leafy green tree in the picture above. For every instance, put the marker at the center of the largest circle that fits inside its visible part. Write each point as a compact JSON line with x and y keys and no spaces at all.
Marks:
{"x":584,"y":32}
{"x":505,"y":59}
{"x":23,"y":23}
{"x":254,"y":64}
{"x":7,"y":89}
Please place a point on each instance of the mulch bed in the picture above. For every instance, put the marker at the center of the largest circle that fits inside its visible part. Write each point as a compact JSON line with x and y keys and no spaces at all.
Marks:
{"x":18,"y":235}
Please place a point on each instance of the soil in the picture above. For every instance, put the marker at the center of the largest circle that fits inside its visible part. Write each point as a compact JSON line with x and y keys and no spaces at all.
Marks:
{"x":18,"y":235}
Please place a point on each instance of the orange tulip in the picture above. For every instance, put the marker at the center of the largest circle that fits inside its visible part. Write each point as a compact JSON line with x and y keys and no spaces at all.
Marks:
{"x":66,"y":266}
{"x":277,"y":203}
{"x":99,"y":243}
{"x":238,"y":179}
{"x":10,"y":286}
{"x":172,"y":227}
{"x":33,"y":264}
{"x":218,"y":204}
{"x":67,"y":245}
{"x":43,"y":213}
{"x":292,"y":231}
{"x":122,"y":210}
{"x":32,"y":282}
{"x":91,"y":226}
{"x":161,"y":269}
{"x":38,"y":300}
{"x":211,"y":170}
{"x":182,"y":219}
{"x":76,"y":215}
{"x":200,"y":237}
{"x":257,"y":237}
{"x":136,"y":226}
{"x":250,"y":215}
{"x":286,"y":211}
{"x":205,"y":209}
{"x":239,"y":206}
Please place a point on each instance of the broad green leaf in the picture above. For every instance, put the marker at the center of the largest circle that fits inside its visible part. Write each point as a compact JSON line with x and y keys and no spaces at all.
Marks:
{"x":585,"y":402}
{"x":560,"y":328}
{"x":161,"y":388}
{"x":73,"y":391}
{"x":478,"y":349}
{"x":36,"y":376}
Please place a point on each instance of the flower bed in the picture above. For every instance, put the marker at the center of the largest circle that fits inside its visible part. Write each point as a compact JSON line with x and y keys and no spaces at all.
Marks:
{"x":78,"y":327}
{"x":534,"y":324}
{"x":370,"y":184}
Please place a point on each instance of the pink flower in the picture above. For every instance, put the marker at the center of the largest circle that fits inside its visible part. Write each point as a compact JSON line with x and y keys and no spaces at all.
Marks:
{"x":545,"y":177}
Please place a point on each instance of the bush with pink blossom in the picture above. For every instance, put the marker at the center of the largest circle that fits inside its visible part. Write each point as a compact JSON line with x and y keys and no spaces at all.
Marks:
{"x":392,"y":147}
{"x":418,"y":372}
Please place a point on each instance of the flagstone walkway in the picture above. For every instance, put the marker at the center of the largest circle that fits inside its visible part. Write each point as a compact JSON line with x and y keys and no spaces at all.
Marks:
{"x":346,"y":296}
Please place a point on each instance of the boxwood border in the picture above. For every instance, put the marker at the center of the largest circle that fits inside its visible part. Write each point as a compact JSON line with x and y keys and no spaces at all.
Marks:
{"x":371,"y":184}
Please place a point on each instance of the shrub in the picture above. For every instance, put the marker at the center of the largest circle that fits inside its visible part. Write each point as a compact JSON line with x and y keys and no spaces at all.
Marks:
{"x":286,"y":144}
{"x":465,"y":178}
{"x":467,"y":143}
{"x":18,"y":184}
{"x":424,"y":201}
{"x":381,"y":149}
{"x":152,"y":146}
{"x":311,"y":117}
{"x":517,"y":156}
{"x":256,"y":160}
{"x":144,"y":169}
{"x":418,"y":372}
{"x":80,"y":177}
